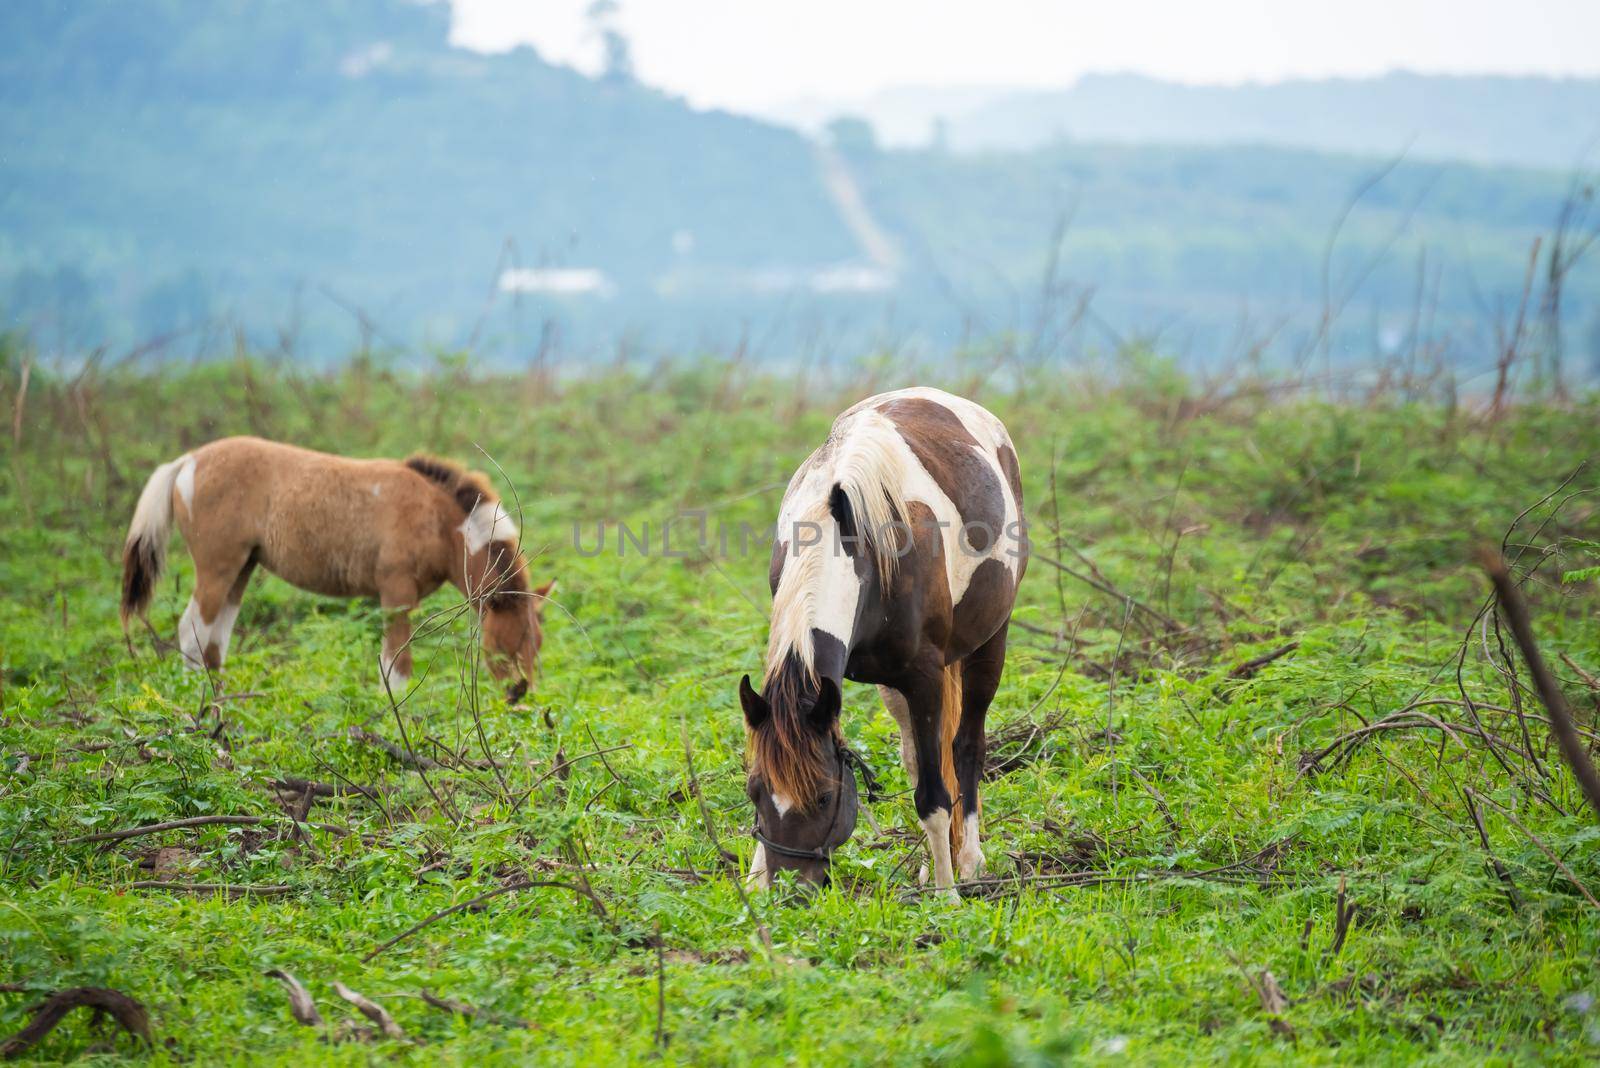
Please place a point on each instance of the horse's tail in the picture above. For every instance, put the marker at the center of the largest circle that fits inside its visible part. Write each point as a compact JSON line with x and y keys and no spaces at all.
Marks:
{"x":950,"y":721}
{"x":144,"y":554}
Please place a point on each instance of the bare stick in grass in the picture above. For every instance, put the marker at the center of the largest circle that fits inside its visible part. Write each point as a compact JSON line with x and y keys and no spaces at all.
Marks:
{"x":661,"y":992}
{"x":512,"y":887}
{"x":371,"y":1010}
{"x":730,"y":862}
{"x":169,"y":825}
{"x":472,"y":1012}
{"x":226,"y":889}
{"x":1483,"y":836}
{"x":1550,"y":695}
{"x":129,"y":1014}
{"x":192,"y":821}
{"x":301,"y":1006}
{"x":1248,"y":668}
{"x":1545,"y":849}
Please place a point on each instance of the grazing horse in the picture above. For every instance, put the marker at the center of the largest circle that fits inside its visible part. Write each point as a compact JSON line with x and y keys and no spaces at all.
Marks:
{"x":340,"y":527}
{"x":899,"y":546}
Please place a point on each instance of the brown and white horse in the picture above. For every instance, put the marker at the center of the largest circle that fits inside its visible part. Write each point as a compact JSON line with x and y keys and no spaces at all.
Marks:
{"x":898,"y":551}
{"x":332,"y":525}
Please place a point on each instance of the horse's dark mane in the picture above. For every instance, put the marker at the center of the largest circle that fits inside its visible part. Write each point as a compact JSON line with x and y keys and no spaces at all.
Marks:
{"x":468,"y":488}
{"x":505,"y":572}
{"x":786,"y":751}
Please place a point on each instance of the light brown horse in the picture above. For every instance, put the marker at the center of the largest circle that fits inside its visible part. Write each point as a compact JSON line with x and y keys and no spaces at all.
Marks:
{"x":390,"y":529}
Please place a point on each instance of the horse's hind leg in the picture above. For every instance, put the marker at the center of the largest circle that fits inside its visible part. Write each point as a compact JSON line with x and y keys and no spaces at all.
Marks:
{"x":204,"y":631}
{"x":980,"y":677}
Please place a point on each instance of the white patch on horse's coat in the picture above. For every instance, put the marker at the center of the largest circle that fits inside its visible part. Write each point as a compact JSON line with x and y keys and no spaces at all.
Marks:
{"x":818,"y":590}
{"x":192,"y":634}
{"x":487,"y":522}
{"x":937,"y":829}
{"x":152,"y":516}
{"x":185,"y":482}
{"x":782,"y":804}
{"x":376,"y":489}
{"x":900,"y":709}
{"x":195,"y":635}
{"x":970,"y":861}
{"x":397,"y":680}
{"x":759,"y":878}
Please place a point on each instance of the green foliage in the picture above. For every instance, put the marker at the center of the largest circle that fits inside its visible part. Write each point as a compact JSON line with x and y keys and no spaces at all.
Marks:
{"x":1248,"y":521}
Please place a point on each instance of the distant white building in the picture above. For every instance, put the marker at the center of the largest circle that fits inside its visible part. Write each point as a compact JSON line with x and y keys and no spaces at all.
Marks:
{"x":852,"y":278}
{"x":558,"y":281}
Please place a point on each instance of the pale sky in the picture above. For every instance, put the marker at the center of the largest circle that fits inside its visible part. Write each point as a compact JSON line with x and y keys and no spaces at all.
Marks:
{"x":750,"y":54}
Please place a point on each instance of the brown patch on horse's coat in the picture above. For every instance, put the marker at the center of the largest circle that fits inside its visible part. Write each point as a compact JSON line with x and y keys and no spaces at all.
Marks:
{"x":991,"y":585}
{"x":923,"y":418}
{"x":780,"y":553}
{"x":950,"y":455}
{"x":1008,"y":464}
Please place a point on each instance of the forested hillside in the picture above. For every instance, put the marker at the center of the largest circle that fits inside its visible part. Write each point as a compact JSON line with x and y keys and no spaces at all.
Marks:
{"x":167,"y":161}
{"x":1523,"y":122}
{"x":319,"y":175}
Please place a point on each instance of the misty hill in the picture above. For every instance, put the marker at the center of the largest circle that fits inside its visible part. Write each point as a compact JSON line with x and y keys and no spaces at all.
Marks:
{"x":170,"y":159}
{"x":1527,"y":121}
{"x":289,"y":166}
{"x":1215,"y":248}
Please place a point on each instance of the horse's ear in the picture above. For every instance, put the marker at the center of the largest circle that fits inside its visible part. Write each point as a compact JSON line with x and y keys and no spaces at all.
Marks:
{"x":827,"y":708}
{"x":756,"y":709}
{"x":545,"y":590}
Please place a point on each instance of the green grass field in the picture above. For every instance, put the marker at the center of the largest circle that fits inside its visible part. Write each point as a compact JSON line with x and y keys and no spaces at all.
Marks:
{"x":1167,"y":833}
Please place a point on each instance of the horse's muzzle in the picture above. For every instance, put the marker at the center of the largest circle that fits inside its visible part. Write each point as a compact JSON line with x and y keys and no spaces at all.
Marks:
{"x":517,"y":691}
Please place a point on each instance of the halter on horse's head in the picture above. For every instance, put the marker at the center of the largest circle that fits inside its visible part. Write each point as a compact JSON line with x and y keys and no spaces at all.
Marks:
{"x":802,"y":818}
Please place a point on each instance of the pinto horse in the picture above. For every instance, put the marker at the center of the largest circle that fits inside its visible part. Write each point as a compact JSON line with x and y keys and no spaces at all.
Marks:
{"x":899,"y":546}
{"x":340,"y":527}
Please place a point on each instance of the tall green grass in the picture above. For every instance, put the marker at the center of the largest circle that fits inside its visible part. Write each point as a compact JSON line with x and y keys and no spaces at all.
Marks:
{"x":1160,"y":841}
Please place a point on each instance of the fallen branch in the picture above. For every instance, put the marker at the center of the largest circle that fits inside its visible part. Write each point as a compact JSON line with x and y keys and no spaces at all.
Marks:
{"x":1589,"y":678}
{"x":511,"y":887}
{"x":371,"y":1010}
{"x":414,"y":761}
{"x":470,"y":1012}
{"x":193,"y":821}
{"x":300,"y":1003}
{"x":129,"y":1014}
{"x":1545,"y":849}
{"x":1483,"y":836}
{"x":290,"y":784}
{"x":228,"y":889}
{"x":1550,"y":695}
{"x":169,"y":825}
{"x":1248,"y":669}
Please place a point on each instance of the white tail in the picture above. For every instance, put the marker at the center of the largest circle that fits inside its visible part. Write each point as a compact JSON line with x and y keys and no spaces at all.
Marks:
{"x":144,"y":554}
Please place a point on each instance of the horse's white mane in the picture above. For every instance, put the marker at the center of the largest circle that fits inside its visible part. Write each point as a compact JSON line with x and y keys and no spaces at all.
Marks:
{"x":866,"y":457}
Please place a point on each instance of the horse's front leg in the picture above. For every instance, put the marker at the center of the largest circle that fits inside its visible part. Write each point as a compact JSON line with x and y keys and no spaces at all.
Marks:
{"x":397,"y":597}
{"x":924,"y":697}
